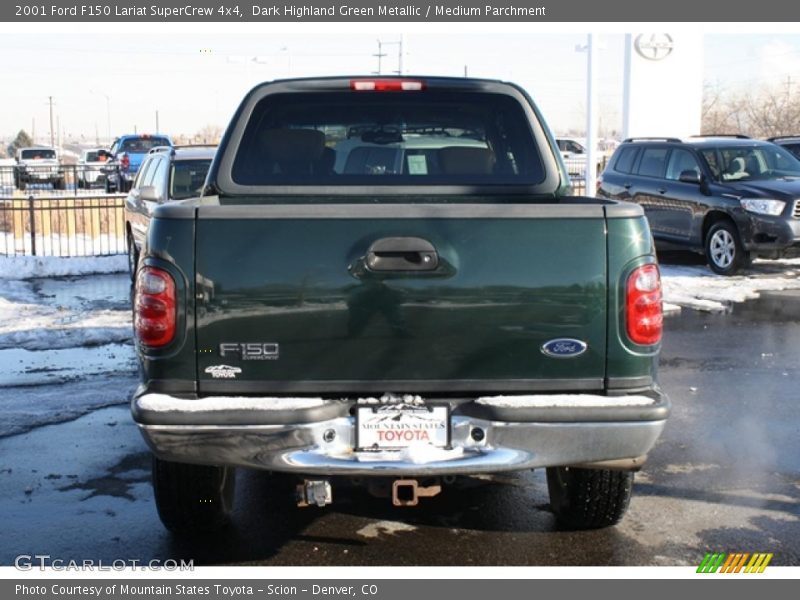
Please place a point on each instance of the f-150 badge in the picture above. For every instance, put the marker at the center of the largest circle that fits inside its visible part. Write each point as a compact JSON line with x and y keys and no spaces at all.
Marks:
{"x":223,"y":371}
{"x":250,"y":351}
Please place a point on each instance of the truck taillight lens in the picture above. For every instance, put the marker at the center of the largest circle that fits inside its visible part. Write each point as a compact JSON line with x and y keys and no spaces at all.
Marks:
{"x":125,"y":162}
{"x":386,"y":85}
{"x":154,"y":307}
{"x":643,"y":310}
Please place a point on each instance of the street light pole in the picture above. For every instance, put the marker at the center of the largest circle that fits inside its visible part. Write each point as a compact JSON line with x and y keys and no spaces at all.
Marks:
{"x":52,"y":131}
{"x":108,"y":111}
{"x":591,"y":116}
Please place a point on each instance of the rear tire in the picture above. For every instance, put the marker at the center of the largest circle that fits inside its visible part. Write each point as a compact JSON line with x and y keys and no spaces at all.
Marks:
{"x":193,"y":498}
{"x":588,"y":498}
{"x":724,"y":251}
{"x":133,"y":257}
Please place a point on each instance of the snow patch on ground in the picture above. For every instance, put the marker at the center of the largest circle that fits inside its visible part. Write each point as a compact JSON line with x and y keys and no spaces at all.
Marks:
{"x":29,"y":267}
{"x":25,"y":408}
{"x":60,"y":245}
{"x":24,"y":367}
{"x":564,"y":401}
{"x":374,"y":530}
{"x":697,"y":287}
{"x":54,"y":314}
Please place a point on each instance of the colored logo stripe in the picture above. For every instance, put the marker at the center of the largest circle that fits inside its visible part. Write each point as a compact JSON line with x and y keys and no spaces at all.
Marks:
{"x":758,"y":563}
{"x":734,"y":563}
{"x":711,"y":562}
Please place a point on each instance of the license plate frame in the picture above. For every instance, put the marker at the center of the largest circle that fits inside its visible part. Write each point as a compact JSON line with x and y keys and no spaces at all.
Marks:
{"x":367,"y":440}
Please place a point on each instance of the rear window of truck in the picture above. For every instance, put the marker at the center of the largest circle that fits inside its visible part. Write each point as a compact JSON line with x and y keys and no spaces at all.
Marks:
{"x":142,"y":145}
{"x":352,"y":138}
{"x":37,"y":154}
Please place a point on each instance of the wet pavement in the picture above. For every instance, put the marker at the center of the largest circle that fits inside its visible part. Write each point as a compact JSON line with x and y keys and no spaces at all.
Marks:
{"x":725,"y":476}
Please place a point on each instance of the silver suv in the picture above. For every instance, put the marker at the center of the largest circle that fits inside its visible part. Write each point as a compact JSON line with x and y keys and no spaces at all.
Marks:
{"x":168,"y":173}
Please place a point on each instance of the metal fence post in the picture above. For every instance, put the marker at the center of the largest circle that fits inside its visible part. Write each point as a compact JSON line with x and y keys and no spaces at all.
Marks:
{"x":32,"y":217}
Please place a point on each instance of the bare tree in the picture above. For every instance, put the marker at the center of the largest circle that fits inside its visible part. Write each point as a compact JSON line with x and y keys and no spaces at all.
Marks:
{"x":767,"y":112}
{"x":210,"y":134}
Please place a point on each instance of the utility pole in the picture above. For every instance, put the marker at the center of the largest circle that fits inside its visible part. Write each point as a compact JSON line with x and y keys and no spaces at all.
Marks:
{"x":157,"y":128}
{"x":52,"y":131}
{"x":592,"y":114}
{"x":465,"y":71}
{"x":788,"y":85}
{"x":33,"y":130}
{"x":400,"y":55}
{"x":379,"y":56}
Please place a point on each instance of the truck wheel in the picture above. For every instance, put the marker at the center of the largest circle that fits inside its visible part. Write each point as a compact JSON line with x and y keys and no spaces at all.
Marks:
{"x":193,"y":498}
{"x":588,"y":498}
{"x":133,"y":257}
{"x":724,"y":251}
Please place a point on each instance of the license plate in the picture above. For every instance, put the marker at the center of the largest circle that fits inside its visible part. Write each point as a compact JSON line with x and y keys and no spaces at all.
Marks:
{"x":402,"y":425}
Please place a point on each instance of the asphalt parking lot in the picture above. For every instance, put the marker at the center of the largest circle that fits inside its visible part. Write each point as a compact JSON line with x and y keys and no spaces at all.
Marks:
{"x":725,"y":476}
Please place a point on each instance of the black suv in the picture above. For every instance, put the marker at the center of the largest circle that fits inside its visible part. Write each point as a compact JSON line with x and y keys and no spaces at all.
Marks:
{"x":790,"y":142}
{"x":728,"y":196}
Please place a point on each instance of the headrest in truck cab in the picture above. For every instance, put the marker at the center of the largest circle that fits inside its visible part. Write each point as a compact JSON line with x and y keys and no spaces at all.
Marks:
{"x":464,"y":160}
{"x":293,"y":145}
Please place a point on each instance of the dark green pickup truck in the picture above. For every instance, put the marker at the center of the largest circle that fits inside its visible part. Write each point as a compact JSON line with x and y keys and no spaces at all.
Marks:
{"x":386,"y":280}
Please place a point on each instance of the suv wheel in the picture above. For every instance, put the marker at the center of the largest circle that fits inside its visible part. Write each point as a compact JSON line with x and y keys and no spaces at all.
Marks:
{"x":133,"y":257}
{"x":588,"y":498}
{"x":193,"y":498}
{"x":724,"y":251}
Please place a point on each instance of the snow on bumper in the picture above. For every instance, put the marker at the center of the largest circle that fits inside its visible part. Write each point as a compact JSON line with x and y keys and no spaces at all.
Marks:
{"x":319,"y":438}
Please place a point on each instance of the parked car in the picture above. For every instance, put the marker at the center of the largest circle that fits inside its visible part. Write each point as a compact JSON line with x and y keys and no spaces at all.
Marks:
{"x":168,"y":173}
{"x":127,"y":153}
{"x":454,"y":314}
{"x":790,"y":142}
{"x":38,"y":165}
{"x":574,"y":155}
{"x":90,"y":166}
{"x":729,"y":197}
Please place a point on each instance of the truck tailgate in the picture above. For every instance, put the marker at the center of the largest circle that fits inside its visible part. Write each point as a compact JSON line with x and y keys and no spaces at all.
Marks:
{"x":338,"y":299}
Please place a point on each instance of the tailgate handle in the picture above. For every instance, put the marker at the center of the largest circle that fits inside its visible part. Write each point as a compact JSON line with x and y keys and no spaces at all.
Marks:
{"x":402,"y":254}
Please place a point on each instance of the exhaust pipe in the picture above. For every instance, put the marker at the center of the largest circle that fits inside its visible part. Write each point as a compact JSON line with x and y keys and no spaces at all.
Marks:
{"x":407,"y":492}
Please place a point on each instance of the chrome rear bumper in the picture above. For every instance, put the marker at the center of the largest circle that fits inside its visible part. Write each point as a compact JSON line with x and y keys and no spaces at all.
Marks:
{"x":325,"y":446}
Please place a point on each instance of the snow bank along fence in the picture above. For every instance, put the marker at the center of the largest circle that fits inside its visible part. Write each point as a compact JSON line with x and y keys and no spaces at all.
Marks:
{"x":62,"y":226}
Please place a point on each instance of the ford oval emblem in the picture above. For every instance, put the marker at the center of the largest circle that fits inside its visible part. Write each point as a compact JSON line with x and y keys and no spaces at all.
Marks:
{"x":564,"y":348}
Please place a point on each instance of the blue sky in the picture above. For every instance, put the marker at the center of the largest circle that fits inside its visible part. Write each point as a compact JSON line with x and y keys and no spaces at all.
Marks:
{"x":193,"y":83}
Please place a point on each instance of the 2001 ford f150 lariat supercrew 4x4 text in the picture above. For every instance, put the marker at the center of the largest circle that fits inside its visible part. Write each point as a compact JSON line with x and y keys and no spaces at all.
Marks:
{"x":387,"y":280}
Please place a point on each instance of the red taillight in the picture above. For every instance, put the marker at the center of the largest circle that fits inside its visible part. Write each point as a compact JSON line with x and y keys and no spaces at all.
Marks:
{"x":386,"y":85}
{"x":154,"y":307}
{"x":124,"y":161}
{"x":598,"y":184}
{"x":644,"y":314}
